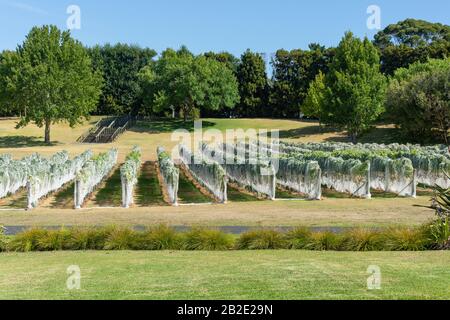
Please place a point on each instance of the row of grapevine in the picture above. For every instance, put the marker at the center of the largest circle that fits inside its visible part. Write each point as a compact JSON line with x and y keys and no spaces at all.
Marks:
{"x":303,"y":176}
{"x":258,"y":176}
{"x":431,"y":164}
{"x":170,"y":175}
{"x":208,"y":173}
{"x":129,"y":176}
{"x":47,"y":176}
{"x":386,"y":174}
{"x":14,"y":174}
{"x":92,"y":174}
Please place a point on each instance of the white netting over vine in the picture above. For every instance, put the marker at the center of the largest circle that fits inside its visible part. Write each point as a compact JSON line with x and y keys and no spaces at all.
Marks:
{"x":432,"y":163}
{"x":129,"y":176}
{"x":208,"y":173}
{"x":170,"y":175}
{"x":396,"y":176}
{"x":257,"y":176}
{"x":92,"y":174}
{"x":13,"y":174}
{"x":46,"y":176}
{"x":301,"y":176}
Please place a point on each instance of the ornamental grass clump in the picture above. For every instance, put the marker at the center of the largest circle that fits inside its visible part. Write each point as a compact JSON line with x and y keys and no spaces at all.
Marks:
{"x":324,"y":241}
{"x":298,"y":238}
{"x":27,"y":241}
{"x":404,"y":239}
{"x":261,"y":240}
{"x":206,"y":240}
{"x":362,"y":240}
{"x":120,"y":238}
{"x":159,"y":238}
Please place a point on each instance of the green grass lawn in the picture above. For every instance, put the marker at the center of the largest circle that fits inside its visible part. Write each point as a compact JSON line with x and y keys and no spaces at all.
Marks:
{"x":148,"y":191}
{"x":225,"y":275}
{"x":110,"y":194}
{"x":64,"y":199}
{"x":188,"y":192}
{"x":235,"y":195}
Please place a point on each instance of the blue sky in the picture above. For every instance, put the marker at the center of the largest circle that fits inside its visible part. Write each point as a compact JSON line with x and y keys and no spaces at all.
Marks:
{"x":203,"y":25}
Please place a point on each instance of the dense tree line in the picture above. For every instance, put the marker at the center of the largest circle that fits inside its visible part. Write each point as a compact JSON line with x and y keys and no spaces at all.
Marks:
{"x":343,"y":86}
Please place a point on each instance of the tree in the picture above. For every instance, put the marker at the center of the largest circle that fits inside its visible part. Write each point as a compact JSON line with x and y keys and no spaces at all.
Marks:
{"x":355,"y":87}
{"x":51,"y":80}
{"x":410,"y":41}
{"x":293,"y":72}
{"x":120,"y":65}
{"x":315,"y":98}
{"x":225,"y":57}
{"x":8,"y":80}
{"x":252,"y":79}
{"x":188,"y":82}
{"x":418,"y":100}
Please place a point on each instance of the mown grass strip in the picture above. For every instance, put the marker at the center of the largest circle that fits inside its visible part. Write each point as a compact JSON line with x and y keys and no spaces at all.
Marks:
{"x":188,"y":192}
{"x":110,"y":195}
{"x":148,"y":189}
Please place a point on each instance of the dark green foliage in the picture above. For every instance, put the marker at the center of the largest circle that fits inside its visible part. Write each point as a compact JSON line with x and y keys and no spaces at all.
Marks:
{"x":252,"y":79}
{"x":120,"y":65}
{"x":418,"y":100}
{"x":293,"y":72}
{"x":411,"y":40}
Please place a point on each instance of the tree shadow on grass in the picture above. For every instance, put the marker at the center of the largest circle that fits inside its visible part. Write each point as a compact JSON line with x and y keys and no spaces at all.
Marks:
{"x":166,"y":125}
{"x":310,"y":130}
{"x":24,"y":142}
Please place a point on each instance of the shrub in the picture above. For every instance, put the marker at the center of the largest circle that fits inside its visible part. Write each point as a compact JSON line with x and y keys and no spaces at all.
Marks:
{"x":204,"y":239}
{"x":438,"y":234}
{"x":261,"y":240}
{"x":158,"y":238}
{"x":298,"y":238}
{"x":324,"y":241}
{"x":362,"y":240}
{"x":404,"y":239}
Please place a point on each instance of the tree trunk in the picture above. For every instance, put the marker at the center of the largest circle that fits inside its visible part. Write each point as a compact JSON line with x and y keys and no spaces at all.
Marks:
{"x":47,"y":131}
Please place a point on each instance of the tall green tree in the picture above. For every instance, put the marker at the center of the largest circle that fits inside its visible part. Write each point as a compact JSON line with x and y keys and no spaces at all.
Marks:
{"x":50,"y":80}
{"x":120,"y":65}
{"x":315,"y":98}
{"x":187,"y":82}
{"x":411,"y":40}
{"x":355,"y":87}
{"x":252,"y":79}
{"x":293,"y":71}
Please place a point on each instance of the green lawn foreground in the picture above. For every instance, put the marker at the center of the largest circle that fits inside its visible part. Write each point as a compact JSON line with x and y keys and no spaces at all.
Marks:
{"x":225,"y":275}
